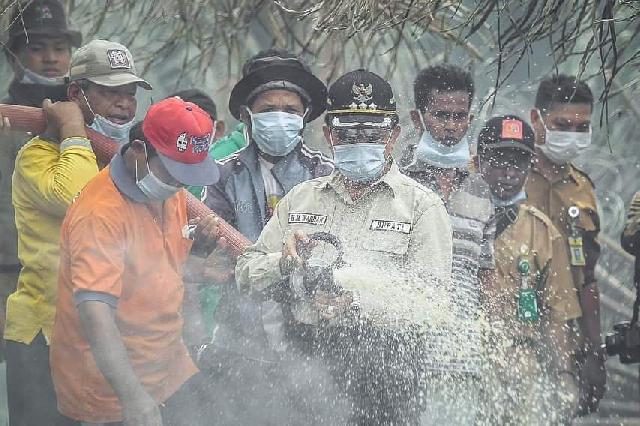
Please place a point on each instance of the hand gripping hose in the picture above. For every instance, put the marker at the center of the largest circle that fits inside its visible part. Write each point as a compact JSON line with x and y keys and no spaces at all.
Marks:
{"x":30,"y":119}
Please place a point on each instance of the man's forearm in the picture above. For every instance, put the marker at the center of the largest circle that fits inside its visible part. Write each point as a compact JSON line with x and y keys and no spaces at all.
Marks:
{"x":590,"y":321}
{"x":109,"y":352}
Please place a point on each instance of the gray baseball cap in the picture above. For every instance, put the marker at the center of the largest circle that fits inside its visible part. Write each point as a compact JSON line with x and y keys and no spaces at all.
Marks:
{"x":105,"y":63}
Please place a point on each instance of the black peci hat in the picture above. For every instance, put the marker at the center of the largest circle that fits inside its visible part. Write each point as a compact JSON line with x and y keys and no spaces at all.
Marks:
{"x":507,"y":131}
{"x":41,"y":17}
{"x":278,"y":69}
{"x":361,"y":98}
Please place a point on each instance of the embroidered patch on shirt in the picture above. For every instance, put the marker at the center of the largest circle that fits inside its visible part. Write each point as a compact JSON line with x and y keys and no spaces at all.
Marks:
{"x":310,"y":218}
{"x":389,"y":225}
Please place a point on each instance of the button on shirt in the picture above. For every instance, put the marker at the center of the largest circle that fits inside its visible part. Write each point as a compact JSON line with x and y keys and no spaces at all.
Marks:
{"x":396,"y":239}
{"x":119,"y":250}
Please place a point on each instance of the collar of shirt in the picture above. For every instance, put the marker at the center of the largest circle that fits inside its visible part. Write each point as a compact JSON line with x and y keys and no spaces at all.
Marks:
{"x":391,"y":180}
{"x":428,"y":175}
{"x":123,"y":180}
{"x":552,"y":172}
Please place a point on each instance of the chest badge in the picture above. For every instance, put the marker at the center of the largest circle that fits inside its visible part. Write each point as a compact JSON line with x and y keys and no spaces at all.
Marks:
{"x":526,"y":298}
{"x":308,"y":218}
{"x":390,"y":225}
{"x":576,"y":248}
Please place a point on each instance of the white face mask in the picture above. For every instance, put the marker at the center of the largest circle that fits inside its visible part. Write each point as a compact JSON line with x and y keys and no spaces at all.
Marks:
{"x":151,"y":186}
{"x":431,"y":152}
{"x":115,"y":131}
{"x":30,"y":77}
{"x":562,"y":147}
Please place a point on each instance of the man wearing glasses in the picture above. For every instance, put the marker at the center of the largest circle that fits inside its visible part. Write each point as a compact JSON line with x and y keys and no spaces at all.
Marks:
{"x":396,"y":237}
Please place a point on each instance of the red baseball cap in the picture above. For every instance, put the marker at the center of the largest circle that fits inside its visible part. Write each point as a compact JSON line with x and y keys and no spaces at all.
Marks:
{"x":181,"y":132}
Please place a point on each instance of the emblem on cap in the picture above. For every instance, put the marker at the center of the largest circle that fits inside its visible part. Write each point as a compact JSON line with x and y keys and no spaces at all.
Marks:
{"x":118,"y":59}
{"x":182,"y":142}
{"x":201,"y":143}
{"x":44,"y":12}
{"x":511,"y":129}
{"x":361,"y":95}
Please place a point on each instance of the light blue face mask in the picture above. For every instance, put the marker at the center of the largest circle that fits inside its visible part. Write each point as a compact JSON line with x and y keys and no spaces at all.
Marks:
{"x":152,"y":187}
{"x":360,"y":162}
{"x":518,"y":198}
{"x":433,"y":153}
{"x":276,"y":133}
{"x":30,"y":77}
{"x":115,"y":131}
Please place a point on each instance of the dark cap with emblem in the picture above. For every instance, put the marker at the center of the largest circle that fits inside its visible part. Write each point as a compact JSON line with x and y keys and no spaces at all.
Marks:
{"x":507,"y":131}
{"x":106,"y":63}
{"x":40,"y":17}
{"x":361,"y":98}
{"x":278,"y":69}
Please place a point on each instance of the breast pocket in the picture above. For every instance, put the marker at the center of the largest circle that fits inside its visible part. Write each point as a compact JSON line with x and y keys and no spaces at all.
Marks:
{"x":387,"y":236}
{"x":587,"y":218}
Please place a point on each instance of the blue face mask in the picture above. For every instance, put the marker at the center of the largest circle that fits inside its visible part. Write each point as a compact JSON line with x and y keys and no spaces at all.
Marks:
{"x":152,"y":187}
{"x":518,"y":198}
{"x":115,"y":131}
{"x":360,"y":162}
{"x":276,"y":132}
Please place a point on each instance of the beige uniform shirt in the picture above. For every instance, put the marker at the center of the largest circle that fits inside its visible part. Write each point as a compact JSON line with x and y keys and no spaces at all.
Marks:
{"x":553,"y":190}
{"x":520,"y":382}
{"x":532,"y":237}
{"x":396,"y":238}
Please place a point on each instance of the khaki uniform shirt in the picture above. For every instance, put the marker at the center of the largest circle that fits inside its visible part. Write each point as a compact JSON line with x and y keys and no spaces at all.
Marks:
{"x":532,"y":237}
{"x":519,"y":355}
{"x":553,"y":190}
{"x":396,"y":237}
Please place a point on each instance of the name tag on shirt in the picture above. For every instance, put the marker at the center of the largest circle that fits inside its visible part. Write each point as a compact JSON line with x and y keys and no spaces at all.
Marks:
{"x":389,"y":225}
{"x":309,"y":218}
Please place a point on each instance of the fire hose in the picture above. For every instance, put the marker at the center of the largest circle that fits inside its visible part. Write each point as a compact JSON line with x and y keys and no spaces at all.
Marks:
{"x":30,"y":119}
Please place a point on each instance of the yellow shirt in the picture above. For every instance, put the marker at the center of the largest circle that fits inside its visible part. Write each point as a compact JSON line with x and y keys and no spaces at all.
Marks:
{"x":46,"y":178}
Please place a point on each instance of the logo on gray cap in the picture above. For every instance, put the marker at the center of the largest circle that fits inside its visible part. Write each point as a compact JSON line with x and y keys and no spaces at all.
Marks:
{"x":118,"y":59}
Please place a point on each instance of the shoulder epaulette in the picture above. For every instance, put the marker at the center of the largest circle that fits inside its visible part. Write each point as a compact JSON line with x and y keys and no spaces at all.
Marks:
{"x":315,"y":155}
{"x":536,"y":213}
{"x":582,"y":173}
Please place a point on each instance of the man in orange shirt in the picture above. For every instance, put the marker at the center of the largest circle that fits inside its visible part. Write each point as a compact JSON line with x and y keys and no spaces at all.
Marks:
{"x":117,"y":352}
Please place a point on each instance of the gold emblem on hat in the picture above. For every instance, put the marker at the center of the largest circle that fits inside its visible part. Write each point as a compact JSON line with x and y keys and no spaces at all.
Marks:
{"x":361,"y":95}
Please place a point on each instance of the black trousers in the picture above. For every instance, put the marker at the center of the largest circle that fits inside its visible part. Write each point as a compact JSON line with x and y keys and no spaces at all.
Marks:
{"x":186,"y":407}
{"x":31,"y":396}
